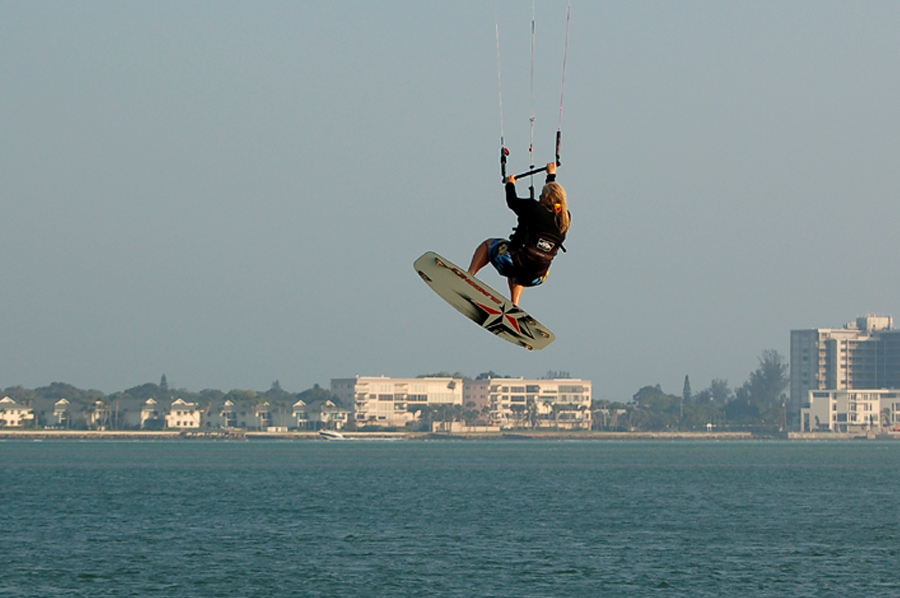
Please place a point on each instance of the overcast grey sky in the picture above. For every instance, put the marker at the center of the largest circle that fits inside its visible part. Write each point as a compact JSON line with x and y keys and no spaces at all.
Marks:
{"x":234,"y":193}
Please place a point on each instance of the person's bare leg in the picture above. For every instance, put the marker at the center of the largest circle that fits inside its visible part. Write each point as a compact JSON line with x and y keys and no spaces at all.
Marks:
{"x":479,"y":259}
{"x":515,"y":292}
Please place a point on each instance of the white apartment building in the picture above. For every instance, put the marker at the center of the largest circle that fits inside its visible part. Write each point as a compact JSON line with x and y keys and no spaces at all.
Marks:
{"x":516,"y":402}
{"x":864,"y":354}
{"x":382,"y":401}
{"x":851,"y":411}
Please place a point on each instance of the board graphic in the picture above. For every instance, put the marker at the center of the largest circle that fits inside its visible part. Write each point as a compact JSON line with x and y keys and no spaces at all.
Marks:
{"x":482,"y":304}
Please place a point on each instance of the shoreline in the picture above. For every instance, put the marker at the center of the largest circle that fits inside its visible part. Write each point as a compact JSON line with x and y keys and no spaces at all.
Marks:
{"x":507,"y":435}
{"x":313,"y":435}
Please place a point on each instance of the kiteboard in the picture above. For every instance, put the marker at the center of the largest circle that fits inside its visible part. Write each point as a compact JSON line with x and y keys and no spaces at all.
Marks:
{"x":482,"y":304}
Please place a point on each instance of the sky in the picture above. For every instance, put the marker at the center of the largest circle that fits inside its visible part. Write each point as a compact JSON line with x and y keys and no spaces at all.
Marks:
{"x":234,"y":193}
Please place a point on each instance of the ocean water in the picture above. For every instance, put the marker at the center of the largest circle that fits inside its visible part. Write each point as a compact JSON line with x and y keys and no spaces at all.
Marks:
{"x":449,"y":518}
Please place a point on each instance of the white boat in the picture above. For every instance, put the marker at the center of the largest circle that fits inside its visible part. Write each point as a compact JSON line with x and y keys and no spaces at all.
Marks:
{"x":331,"y":435}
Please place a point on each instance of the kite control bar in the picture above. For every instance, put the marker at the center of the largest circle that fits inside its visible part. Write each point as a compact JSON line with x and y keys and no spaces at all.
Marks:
{"x":505,"y":152}
{"x":535,"y":171}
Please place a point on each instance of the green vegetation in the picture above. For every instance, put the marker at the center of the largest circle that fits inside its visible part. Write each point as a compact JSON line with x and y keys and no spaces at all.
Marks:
{"x":82,"y":402}
{"x":756,"y":406}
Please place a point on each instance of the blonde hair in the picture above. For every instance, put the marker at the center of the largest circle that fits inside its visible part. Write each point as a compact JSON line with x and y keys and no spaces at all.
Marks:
{"x":556,"y":196}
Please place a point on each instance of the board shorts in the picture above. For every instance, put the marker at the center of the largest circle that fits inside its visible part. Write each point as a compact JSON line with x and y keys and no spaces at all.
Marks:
{"x":501,"y":259}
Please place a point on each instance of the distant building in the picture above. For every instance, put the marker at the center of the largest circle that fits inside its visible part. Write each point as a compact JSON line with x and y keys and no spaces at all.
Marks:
{"x":275,"y":418}
{"x":506,"y":402}
{"x":62,"y":417}
{"x":228,"y":414}
{"x":183,"y":415}
{"x":99,"y":416}
{"x":263,"y":418}
{"x":328,"y":415}
{"x":15,"y":415}
{"x":222,"y":416}
{"x":241,"y":414}
{"x":300,"y":415}
{"x":151,"y":419}
{"x":863,"y":355}
{"x":851,"y":411}
{"x":381,"y":401}
{"x":517,"y":402}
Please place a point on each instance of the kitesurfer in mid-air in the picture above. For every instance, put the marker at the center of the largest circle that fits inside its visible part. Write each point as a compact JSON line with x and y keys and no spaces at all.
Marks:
{"x":524,"y":259}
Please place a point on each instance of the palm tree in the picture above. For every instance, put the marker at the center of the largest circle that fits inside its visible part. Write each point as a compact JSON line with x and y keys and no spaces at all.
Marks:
{"x":470,"y":416}
{"x":548,"y":405}
{"x":518,"y":413}
{"x":531,"y":412}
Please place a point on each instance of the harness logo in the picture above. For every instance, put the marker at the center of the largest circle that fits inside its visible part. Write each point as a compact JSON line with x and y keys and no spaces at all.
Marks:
{"x":545,"y":245}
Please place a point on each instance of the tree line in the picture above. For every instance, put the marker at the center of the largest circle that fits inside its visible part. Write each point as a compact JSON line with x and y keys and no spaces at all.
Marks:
{"x":43,"y":399}
{"x":757,"y":405}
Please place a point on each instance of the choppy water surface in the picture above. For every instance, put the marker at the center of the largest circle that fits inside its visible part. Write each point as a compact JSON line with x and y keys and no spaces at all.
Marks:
{"x":417,"y":518}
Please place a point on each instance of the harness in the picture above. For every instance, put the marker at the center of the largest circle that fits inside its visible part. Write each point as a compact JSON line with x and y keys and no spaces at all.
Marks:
{"x":533,"y":252}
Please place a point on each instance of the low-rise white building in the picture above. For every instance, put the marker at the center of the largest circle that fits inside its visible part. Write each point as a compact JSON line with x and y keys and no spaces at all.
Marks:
{"x":222,"y":416}
{"x":274,"y":418}
{"x":62,"y":417}
{"x":262,"y":416}
{"x":300,"y":415}
{"x":151,"y":418}
{"x":328,"y":415}
{"x":851,"y":411}
{"x":382,"y":401}
{"x":184,"y":415}
{"x":15,"y":415}
{"x":99,"y":416}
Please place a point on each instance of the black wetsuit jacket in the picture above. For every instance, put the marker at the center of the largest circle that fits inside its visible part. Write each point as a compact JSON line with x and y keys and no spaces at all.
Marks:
{"x":536,"y":238}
